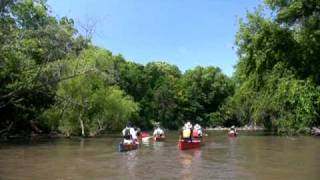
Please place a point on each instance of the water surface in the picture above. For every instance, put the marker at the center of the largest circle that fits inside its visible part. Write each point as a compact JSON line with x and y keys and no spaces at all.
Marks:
{"x":249,"y":156}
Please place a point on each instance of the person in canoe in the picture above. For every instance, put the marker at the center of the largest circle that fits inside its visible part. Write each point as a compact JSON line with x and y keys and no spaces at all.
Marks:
{"x":158,"y":132}
{"x":129,"y":134}
{"x":138,"y":131}
{"x":197,"y":131}
{"x":187,"y":131}
{"x":233,"y":131}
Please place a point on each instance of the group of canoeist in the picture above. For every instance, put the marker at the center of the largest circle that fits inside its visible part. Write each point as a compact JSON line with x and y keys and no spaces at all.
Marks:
{"x":188,"y":131}
{"x":132,"y":135}
{"x":190,"y":136}
{"x":130,"y":138}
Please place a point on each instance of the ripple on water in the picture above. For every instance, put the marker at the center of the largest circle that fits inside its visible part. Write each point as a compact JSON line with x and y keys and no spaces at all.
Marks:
{"x":244,"y":157}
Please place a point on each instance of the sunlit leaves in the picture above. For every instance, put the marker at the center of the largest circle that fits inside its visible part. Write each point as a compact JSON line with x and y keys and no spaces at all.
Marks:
{"x":278,"y":70}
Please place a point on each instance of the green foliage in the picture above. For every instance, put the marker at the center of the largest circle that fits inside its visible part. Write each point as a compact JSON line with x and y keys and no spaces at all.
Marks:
{"x":160,"y":102}
{"x":87,"y":103}
{"x":202,"y":91}
{"x":30,"y":41}
{"x":278,"y":72}
{"x":291,"y":105}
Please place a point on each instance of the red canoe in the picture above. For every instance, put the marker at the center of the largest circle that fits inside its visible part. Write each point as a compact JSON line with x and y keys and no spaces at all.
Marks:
{"x":143,"y":135}
{"x":127,"y":147}
{"x":187,"y":144}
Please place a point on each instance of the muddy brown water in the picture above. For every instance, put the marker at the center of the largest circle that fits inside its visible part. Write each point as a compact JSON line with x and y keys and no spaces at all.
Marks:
{"x":249,"y":156}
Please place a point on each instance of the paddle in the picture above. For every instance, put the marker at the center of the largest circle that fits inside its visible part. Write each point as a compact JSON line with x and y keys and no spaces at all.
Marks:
{"x":146,"y":138}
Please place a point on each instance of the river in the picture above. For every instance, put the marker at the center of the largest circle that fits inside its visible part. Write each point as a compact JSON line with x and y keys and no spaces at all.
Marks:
{"x":249,"y":156}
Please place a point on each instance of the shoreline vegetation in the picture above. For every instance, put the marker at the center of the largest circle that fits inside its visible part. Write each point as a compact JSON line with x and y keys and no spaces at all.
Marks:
{"x":55,"y":79}
{"x":314,"y":131}
{"x":243,"y":128}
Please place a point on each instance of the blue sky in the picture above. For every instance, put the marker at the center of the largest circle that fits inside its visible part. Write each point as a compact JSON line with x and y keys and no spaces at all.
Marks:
{"x":186,"y":33}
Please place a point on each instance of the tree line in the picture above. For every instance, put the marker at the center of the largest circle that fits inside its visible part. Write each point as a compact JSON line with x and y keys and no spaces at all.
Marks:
{"x":53,"y":79}
{"x":278,"y":72}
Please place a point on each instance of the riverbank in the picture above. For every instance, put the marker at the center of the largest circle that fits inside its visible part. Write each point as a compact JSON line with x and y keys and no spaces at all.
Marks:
{"x":244,"y":128}
{"x":314,"y":131}
{"x":53,"y":135}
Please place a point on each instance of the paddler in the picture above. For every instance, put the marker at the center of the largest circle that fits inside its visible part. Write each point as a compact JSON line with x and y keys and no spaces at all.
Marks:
{"x":138,"y":131}
{"x":129,"y":134}
{"x":197,"y":131}
{"x":233,"y":130}
{"x":158,"y":132}
{"x":187,"y":131}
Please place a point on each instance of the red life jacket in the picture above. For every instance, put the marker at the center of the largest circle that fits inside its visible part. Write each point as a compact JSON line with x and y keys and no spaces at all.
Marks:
{"x":195,"y":133}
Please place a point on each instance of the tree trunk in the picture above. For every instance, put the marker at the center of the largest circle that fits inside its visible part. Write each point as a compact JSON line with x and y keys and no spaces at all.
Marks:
{"x":81,"y":125}
{"x":35,"y":127}
{"x":6,"y":130}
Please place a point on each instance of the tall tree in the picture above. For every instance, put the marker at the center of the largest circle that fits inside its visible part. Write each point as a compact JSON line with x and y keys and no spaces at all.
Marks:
{"x":160,"y":101}
{"x":202,"y":91}
{"x":89,"y":102}
{"x":30,"y":41}
{"x":277,"y":67}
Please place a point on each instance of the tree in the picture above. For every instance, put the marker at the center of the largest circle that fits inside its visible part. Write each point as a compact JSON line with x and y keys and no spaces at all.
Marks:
{"x":90,"y":103}
{"x":202,"y":91}
{"x":31,"y":40}
{"x":160,"y":102}
{"x":276,"y":72}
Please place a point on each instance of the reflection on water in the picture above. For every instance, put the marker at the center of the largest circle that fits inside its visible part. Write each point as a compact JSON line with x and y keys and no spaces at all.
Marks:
{"x":130,"y":159}
{"x":232,"y":157}
{"x":190,"y":161}
{"x":158,"y":145}
{"x":245,"y":157}
{"x":146,"y":141}
{"x":186,"y":161}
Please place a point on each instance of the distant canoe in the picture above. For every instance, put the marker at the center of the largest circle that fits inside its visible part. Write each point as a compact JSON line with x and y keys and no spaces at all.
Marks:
{"x":127,"y":147}
{"x":232,"y":134}
{"x":143,"y":135}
